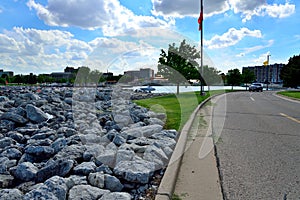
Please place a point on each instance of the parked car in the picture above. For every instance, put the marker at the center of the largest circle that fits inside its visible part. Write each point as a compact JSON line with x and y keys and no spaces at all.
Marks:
{"x":256,"y":87}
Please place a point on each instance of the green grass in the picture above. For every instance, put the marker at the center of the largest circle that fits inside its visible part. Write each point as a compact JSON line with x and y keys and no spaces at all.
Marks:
{"x":293,"y":94}
{"x":178,"y":108}
{"x":176,"y":197}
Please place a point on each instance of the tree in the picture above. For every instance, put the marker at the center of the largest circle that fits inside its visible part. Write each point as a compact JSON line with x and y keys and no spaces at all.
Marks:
{"x":248,"y":76}
{"x":234,"y":77}
{"x":179,"y":64}
{"x":211,"y":76}
{"x":290,"y":73}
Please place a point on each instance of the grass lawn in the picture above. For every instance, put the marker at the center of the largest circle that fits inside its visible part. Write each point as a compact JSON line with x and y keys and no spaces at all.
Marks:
{"x":293,"y":94}
{"x":177,"y":107}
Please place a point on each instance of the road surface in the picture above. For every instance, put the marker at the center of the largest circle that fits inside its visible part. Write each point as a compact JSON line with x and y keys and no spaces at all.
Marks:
{"x":258,"y":150}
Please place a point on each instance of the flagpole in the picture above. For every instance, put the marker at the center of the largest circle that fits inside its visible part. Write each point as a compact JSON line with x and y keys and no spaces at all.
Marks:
{"x":201,"y":49}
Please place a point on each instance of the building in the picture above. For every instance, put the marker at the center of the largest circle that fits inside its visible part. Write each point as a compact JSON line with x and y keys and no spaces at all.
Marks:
{"x":71,"y":70}
{"x":144,"y":73}
{"x":62,"y":75}
{"x":270,"y":73}
{"x":7,"y":73}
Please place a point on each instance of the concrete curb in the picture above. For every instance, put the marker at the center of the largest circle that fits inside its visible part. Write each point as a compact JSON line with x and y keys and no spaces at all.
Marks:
{"x":167,"y":185}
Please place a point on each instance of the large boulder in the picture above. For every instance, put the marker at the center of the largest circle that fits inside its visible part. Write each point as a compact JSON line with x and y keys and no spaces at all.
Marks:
{"x":59,"y":167}
{"x":10,"y":194}
{"x":25,"y":171}
{"x":86,"y":192}
{"x":14,"y":117}
{"x":35,"y":114}
{"x":116,"y":195}
{"x":137,"y":171}
{"x":53,"y":188}
{"x":85,"y":168}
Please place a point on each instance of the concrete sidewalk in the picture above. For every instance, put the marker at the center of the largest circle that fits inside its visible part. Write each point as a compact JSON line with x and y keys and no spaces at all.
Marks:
{"x":192,"y":172}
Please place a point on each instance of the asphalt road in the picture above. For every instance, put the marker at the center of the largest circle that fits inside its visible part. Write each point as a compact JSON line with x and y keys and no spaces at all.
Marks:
{"x":258,"y":150}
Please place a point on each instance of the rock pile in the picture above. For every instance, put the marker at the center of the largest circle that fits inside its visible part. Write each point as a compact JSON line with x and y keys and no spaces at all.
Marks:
{"x":79,"y":143}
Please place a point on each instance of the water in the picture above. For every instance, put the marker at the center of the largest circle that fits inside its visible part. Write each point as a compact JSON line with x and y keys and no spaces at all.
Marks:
{"x":173,"y":89}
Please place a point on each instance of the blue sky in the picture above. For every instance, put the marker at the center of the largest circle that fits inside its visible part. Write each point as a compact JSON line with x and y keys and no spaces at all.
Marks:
{"x":43,"y":36}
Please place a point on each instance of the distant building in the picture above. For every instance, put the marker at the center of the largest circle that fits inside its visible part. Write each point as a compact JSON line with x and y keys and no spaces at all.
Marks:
{"x":107,"y":75}
{"x":62,"y":75}
{"x":71,"y":70}
{"x":8,"y":73}
{"x":144,"y":73}
{"x":270,"y":73}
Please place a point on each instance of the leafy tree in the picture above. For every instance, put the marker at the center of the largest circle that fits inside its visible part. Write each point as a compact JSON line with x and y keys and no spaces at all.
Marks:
{"x":290,"y":73}
{"x":211,"y":76}
{"x":18,"y":79}
{"x":234,"y":77}
{"x":179,"y":64}
{"x":248,"y":76}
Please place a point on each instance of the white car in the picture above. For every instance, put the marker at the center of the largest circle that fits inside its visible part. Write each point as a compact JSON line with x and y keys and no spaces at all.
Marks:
{"x":256,"y":87}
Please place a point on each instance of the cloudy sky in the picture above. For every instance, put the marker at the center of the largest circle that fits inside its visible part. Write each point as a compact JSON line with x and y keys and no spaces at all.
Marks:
{"x":43,"y":36}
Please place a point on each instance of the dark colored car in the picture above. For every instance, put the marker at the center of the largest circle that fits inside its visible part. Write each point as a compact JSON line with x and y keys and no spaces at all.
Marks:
{"x":256,"y":87}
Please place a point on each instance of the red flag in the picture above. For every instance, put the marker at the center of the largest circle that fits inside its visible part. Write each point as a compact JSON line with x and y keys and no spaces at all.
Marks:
{"x":6,"y":82}
{"x":200,"y":20}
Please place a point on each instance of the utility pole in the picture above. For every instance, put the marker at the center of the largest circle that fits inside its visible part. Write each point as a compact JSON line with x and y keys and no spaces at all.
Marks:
{"x":200,"y":21}
{"x":268,"y":71}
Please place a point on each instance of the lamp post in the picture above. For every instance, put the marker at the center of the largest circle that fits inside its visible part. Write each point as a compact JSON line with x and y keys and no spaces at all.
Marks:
{"x":268,"y":71}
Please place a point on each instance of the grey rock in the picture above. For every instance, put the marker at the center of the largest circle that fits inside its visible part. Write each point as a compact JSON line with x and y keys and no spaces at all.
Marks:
{"x":59,"y":167}
{"x":40,"y":151}
{"x":6,"y":141}
{"x":3,"y":98}
{"x":66,"y":131}
{"x":124,"y":155}
{"x":137,"y":171}
{"x":59,"y":144}
{"x":6,"y":180}
{"x":18,"y":137}
{"x":93,"y":150}
{"x":53,"y":188}
{"x":72,"y":152}
{"x":12,"y":153}
{"x":32,"y":96}
{"x":118,"y":140}
{"x":97,"y":179}
{"x":14,"y":117}
{"x":112,"y":183}
{"x":85,"y":168}
{"x":148,"y":131}
{"x":35,"y":114}
{"x":86,"y":192}
{"x":153,"y":121}
{"x":104,"y":169}
{"x":116,"y":195}
{"x":76,"y":180}
{"x":10,"y":194}
{"x":107,"y":158}
{"x":157,"y":155}
{"x":25,"y":171}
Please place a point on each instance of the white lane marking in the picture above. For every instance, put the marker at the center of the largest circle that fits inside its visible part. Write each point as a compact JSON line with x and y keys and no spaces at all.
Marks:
{"x":252,"y":98}
{"x":289,"y":117}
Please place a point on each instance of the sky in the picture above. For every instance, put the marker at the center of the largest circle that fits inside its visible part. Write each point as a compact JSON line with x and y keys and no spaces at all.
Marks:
{"x":44,"y":36}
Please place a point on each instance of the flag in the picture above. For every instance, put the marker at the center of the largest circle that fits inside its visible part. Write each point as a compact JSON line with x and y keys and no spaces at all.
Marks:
{"x":200,"y":20}
{"x":6,"y":82}
{"x":266,"y":63}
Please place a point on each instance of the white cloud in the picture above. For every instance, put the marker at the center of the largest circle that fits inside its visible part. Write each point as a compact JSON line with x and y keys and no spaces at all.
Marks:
{"x":41,"y":50}
{"x":250,"y":8}
{"x":247,"y":8}
{"x":262,"y":58}
{"x":109,"y":15}
{"x":256,"y":48}
{"x":180,"y":8}
{"x":231,"y":37}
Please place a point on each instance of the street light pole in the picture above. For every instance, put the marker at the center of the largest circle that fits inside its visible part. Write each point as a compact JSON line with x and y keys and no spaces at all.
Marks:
{"x":201,"y":51}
